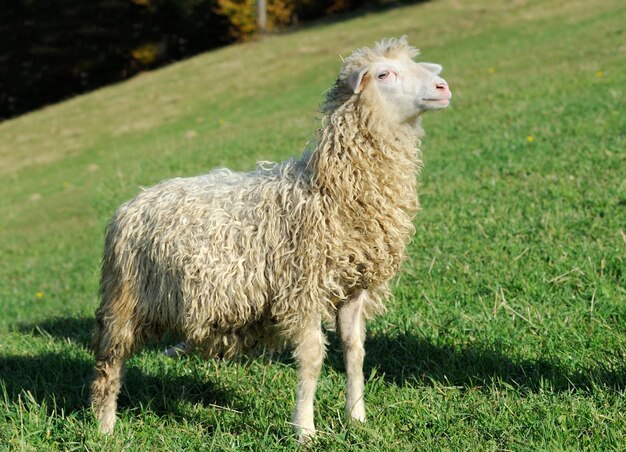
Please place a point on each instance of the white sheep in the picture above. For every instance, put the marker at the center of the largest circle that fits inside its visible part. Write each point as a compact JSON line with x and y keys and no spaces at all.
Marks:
{"x":230,"y":261}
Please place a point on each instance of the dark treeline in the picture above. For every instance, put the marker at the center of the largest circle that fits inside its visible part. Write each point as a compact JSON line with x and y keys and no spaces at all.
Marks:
{"x":53,"y":49}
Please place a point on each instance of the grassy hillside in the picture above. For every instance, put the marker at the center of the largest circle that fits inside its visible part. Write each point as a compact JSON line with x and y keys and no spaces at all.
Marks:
{"x":508,"y":326}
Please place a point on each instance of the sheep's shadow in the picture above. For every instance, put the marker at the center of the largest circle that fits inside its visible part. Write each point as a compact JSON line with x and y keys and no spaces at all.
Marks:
{"x":406,"y":359}
{"x":60,"y":383}
{"x":61,"y":380}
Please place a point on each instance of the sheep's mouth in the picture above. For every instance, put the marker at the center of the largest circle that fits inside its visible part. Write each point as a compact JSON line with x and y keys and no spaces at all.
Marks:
{"x":442,"y":102}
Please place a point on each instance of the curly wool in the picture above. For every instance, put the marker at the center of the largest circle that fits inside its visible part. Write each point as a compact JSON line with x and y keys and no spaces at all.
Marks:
{"x":230,"y":261}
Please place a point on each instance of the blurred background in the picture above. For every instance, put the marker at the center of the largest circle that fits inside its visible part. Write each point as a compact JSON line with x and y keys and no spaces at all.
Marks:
{"x":54,"y":49}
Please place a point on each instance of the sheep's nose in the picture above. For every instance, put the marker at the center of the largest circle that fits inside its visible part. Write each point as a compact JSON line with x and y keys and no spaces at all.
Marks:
{"x":443,"y":89}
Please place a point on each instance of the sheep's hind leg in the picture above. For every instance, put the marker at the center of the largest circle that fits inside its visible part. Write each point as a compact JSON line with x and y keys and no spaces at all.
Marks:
{"x":113,"y":342}
{"x":351,"y":328}
{"x":104,"y":390}
{"x":310,"y":346}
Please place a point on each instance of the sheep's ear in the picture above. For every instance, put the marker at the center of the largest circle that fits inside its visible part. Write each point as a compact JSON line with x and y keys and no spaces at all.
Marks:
{"x":355,"y":80}
{"x":433,"y":67}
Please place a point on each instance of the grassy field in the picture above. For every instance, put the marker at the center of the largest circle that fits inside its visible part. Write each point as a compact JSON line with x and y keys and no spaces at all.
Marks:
{"x":508,"y":325}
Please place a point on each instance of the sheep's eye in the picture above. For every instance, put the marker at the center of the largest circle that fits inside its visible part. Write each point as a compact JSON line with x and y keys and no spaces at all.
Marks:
{"x":383,"y":75}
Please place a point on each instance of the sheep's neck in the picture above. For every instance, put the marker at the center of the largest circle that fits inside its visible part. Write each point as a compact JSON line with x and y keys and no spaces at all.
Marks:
{"x":364,"y":168}
{"x":368,"y":183}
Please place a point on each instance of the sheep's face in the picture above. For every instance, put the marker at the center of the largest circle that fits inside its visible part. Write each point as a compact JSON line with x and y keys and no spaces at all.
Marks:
{"x":406,"y":88}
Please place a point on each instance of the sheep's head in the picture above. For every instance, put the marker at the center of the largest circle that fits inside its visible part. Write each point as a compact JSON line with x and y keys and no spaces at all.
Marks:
{"x":388,"y":76}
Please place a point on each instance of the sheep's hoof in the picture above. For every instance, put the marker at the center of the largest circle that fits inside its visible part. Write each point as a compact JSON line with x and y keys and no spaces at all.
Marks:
{"x":107,"y":424}
{"x":357,"y":412}
{"x":178,"y":350}
{"x":106,"y":430}
{"x":305,"y":436}
{"x":358,"y":417}
{"x":304,"y":429}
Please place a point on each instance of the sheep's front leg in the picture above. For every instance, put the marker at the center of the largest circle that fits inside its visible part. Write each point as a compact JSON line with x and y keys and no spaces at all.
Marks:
{"x":351,"y":328}
{"x":310,"y":347}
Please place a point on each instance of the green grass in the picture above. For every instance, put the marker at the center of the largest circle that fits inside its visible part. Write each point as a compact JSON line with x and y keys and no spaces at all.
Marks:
{"x":508,"y":326}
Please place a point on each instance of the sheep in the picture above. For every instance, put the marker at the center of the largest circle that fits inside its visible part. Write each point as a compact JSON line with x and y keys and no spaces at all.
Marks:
{"x":231,"y":261}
